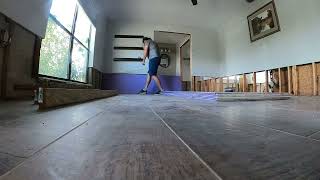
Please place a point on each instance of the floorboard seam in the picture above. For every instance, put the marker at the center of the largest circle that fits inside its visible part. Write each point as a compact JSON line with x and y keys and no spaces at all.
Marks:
{"x":266,"y":127}
{"x":188,"y":147}
{"x":310,"y":136}
{"x":13,"y":155}
{"x":60,"y":137}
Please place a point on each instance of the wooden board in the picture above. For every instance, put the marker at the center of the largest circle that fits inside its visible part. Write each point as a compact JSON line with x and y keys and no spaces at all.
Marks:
{"x":284,"y":80}
{"x":305,"y":80}
{"x":315,"y":79}
{"x":318,"y":76}
{"x":53,"y":97}
{"x":254,"y":82}
{"x":290,"y":84}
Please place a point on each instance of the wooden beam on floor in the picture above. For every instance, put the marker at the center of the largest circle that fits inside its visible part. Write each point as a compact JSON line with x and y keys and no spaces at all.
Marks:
{"x":315,"y":79}
{"x":255,"y":82}
{"x":53,"y":97}
{"x":280,"y":80}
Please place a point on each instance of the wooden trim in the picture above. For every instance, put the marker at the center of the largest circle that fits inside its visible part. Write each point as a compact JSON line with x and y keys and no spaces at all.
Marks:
{"x":267,"y":81}
{"x":185,"y":43}
{"x":5,"y":62}
{"x":289,"y":80}
{"x":315,"y":79}
{"x":172,"y":32}
{"x":280,"y":81}
{"x":6,"y":55}
{"x":36,"y":57}
{"x":181,"y":59}
{"x":254,"y":81}
{"x":128,"y":48}
{"x":128,"y":59}
{"x":129,"y":36}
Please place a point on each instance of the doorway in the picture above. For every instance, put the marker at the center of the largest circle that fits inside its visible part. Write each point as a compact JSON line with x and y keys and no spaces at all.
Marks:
{"x":185,"y":65}
{"x":176,"y":59}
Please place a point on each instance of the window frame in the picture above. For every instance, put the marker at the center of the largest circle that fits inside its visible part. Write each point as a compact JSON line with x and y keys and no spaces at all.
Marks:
{"x":71,"y":44}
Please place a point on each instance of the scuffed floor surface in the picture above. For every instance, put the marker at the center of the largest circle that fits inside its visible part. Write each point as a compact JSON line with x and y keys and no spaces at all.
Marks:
{"x":133,"y":137}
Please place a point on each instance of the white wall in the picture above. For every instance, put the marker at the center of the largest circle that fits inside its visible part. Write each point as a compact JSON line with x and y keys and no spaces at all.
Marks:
{"x":204,"y":45}
{"x":31,"y":14}
{"x":100,"y":43}
{"x":297,"y":43}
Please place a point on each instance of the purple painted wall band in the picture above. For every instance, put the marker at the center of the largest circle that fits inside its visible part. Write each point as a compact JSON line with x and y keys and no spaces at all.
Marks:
{"x":133,"y":83}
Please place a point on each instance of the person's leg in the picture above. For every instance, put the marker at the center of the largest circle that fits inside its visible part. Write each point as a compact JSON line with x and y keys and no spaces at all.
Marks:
{"x":147,"y":83}
{"x":157,"y":80}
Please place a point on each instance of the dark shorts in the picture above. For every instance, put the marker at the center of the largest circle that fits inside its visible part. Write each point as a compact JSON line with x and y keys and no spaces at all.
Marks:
{"x":153,"y":66}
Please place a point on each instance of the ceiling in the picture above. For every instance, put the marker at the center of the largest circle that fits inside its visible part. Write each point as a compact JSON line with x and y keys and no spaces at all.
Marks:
{"x":207,"y":14}
{"x":170,"y":38}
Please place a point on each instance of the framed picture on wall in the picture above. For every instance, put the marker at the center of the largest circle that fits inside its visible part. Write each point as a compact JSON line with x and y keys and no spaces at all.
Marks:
{"x":263,"y":22}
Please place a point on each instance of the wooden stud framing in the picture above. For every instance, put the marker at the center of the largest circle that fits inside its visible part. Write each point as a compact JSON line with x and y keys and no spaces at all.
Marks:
{"x":254,"y":82}
{"x":193,"y":83}
{"x":315,"y":79}
{"x":280,"y":81}
{"x":221,"y":85}
{"x":295,"y":81}
{"x":289,"y":80}
{"x":267,"y":81}
{"x":244,"y":83}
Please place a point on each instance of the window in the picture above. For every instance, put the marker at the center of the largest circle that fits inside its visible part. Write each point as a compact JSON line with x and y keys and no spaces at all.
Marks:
{"x":67,"y":46}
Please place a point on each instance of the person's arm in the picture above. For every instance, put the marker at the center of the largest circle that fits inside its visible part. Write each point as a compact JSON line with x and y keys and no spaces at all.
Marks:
{"x":145,"y":53}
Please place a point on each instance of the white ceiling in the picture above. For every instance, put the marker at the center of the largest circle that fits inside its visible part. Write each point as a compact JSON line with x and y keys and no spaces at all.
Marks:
{"x":170,"y":38}
{"x":207,"y":14}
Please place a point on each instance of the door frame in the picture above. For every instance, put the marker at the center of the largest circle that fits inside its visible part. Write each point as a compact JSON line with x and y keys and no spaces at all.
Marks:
{"x":181,"y":61}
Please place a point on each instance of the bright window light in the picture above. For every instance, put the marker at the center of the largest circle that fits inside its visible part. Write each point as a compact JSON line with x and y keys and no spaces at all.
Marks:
{"x":69,"y":42}
{"x":64,"y":11}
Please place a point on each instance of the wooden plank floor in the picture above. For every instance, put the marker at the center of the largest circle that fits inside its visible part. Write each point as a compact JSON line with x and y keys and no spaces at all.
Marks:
{"x":118,"y":143}
{"x":127,"y":137}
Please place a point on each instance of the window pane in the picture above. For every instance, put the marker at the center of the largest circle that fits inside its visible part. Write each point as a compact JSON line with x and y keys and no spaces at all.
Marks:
{"x":83,"y":27}
{"x":79,"y":63}
{"x":54,"y":55}
{"x":63,"y":11}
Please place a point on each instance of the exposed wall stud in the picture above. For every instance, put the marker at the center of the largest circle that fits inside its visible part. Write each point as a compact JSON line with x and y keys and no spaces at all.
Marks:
{"x":289,"y":80}
{"x":315,"y":79}
{"x":267,"y":81}
{"x":280,"y":81}
{"x":295,"y":80}
{"x":244,"y":83}
{"x":254,"y":82}
{"x":221,"y":85}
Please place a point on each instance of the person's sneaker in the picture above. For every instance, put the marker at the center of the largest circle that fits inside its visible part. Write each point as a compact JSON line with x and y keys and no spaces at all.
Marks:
{"x":159,"y":92}
{"x":142,"y":92}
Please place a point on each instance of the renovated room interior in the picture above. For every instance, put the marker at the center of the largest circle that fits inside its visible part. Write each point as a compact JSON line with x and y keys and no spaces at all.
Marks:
{"x":240,"y":100}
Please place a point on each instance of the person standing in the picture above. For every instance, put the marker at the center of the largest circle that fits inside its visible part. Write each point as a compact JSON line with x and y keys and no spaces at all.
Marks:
{"x":152,"y":52}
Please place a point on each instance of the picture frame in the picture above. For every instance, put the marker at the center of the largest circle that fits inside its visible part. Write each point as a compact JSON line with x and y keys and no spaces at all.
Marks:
{"x":263,"y":22}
